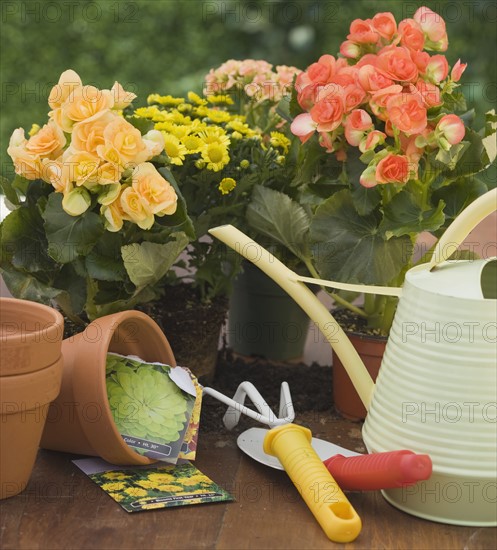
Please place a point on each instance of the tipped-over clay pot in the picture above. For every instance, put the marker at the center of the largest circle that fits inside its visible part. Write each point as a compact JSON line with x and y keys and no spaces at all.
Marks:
{"x":80,"y":420}
{"x":30,"y":376}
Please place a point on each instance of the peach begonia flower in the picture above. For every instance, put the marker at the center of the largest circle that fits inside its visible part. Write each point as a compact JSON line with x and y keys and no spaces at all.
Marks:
{"x":407,"y":113}
{"x":430,"y":93}
{"x":385,"y":25}
{"x":393,"y":169}
{"x":156,"y":193}
{"x":350,"y":49}
{"x":134,"y":209}
{"x":83,"y":103}
{"x":371,"y":80}
{"x":68,"y":82}
{"x":378,"y":101}
{"x":48,"y":142}
{"x":372,"y":140}
{"x":328,"y":112}
{"x":123,"y":144}
{"x":322,"y":71}
{"x":89,"y":134}
{"x":433,"y":27}
{"x":121,"y":97}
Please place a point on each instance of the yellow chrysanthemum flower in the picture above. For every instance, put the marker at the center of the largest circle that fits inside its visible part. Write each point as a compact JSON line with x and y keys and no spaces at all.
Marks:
{"x":244,"y":164}
{"x":148,"y":112}
{"x":218,"y":116}
{"x":135,"y":492}
{"x":166,"y":100}
{"x":152,"y":506}
{"x":115,"y":475}
{"x":214,"y":134}
{"x":226,"y":185}
{"x":220,"y":100}
{"x":193,"y":144}
{"x":146,"y":484}
{"x":195,"y":98}
{"x":216,"y":156}
{"x":185,"y":108}
{"x":280,"y":140}
{"x":175,"y":150}
{"x":160,"y":477}
{"x":117,"y":496}
{"x":169,"y":488}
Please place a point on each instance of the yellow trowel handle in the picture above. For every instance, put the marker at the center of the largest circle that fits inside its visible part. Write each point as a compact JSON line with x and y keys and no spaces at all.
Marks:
{"x":461,"y":227}
{"x":291,"y":444}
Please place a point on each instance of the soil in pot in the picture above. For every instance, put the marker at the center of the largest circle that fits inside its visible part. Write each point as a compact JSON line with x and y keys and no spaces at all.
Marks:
{"x":191,"y":327}
{"x":370,"y":345}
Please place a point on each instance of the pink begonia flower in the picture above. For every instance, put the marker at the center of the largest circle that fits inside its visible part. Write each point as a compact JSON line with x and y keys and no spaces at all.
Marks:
{"x":362,"y":32}
{"x":371,"y":80}
{"x":378,"y":101}
{"x":407,"y":113}
{"x":451,"y":127}
{"x":421,"y":60}
{"x":395,"y":62}
{"x":322,"y":71}
{"x":430,"y":93}
{"x":368,"y":177}
{"x":303,"y":126}
{"x":457,"y":70}
{"x":411,"y":35}
{"x":372,"y":140}
{"x":437,"y":68}
{"x":385,"y":25}
{"x":354,"y":96}
{"x":350,"y":49}
{"x":328,"y":112}
{"x":357,"y":123}
{"x":393,"y":169}
{"x":433,"y":26}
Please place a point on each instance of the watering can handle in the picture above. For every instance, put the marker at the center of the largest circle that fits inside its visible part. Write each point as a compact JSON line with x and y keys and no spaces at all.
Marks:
{"x":460,"y":228}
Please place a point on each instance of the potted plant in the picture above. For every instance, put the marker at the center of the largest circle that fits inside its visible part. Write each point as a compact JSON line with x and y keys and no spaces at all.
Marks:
{"x":384,"y":158}
{"x":218,"y":152}
{"x":94,"y":225}
{"x":263,"y":320}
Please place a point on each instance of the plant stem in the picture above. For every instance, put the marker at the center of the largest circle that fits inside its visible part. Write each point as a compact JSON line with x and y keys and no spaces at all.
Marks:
{"x":388,"y":314}
{"x":336,"y":298}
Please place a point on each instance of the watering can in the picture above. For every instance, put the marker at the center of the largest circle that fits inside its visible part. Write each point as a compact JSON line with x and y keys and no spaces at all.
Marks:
{"x":436,"y":391}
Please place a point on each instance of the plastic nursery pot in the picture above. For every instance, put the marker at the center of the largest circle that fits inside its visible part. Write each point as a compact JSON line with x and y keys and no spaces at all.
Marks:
{"x":30,"y":378}
{"x":80,"y":420}
{"x":345,"y":398}
{"x":263,"y":319}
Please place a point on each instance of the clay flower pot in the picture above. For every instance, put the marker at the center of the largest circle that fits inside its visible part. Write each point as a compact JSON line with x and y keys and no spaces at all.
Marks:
{"x":80,"y":420}
{"x":30,"y":377}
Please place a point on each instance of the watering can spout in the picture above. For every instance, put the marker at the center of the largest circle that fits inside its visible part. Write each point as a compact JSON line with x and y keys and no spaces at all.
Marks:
{"x":293,"y":285}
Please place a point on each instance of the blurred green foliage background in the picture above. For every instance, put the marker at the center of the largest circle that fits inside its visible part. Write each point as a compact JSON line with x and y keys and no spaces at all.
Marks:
{"x":168,"y":46}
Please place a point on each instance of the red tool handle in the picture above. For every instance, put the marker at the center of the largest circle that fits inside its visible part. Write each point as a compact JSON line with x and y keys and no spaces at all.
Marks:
{"x":379,"y":470}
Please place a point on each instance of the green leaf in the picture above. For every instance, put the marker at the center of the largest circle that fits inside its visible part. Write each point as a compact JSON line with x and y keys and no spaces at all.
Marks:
{"x":275,"y":215}
{"x":142,"y":124}
{"x":104,"y":262}
{"x":70,"y":236}
{"x":73,"y":300}
{"x":23,"y":241}
{"x":180,"y":219}
{"x":474,"y":158}
{"x":294,"y":107}
{"x":451,"y":157}
{"x":9,"y":191}
{"x":348,"y":247}
{"x":27,"y":287}
{"x":147,"y":263}
{"x":365,"y":199}
{"x":402,"y":215}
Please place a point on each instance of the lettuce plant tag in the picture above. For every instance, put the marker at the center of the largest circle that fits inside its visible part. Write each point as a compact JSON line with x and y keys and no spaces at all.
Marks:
{"x":138,"y":488}
{"x":151,"y":404}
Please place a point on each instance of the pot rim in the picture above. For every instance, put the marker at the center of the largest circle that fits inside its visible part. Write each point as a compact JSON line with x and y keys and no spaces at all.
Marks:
{"x":52,"y":331}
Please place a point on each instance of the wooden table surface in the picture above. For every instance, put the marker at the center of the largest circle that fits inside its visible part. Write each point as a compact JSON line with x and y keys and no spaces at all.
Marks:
{"x":62,"y":508}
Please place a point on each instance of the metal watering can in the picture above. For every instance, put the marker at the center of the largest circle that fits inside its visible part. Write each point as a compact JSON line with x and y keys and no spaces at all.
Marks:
{"x":436,"y":391}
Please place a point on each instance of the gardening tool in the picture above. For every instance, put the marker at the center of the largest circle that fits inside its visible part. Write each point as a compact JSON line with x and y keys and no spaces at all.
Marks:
{"x":436,"y":392}
{"x":291,"y":445}
{"x":352,"y":471}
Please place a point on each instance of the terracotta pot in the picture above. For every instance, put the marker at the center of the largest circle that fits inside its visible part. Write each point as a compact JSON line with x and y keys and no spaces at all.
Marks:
{"x":346,"y":399}
{"x":80,"y":420}
{"x":30,"y":377}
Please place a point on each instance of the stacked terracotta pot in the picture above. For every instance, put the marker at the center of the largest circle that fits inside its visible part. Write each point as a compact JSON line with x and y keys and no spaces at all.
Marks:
{"x":30,"y":376}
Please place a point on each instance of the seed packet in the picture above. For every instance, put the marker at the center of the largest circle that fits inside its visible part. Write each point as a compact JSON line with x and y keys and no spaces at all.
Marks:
{"x":152,"y":405}
{"x":138,"y":488}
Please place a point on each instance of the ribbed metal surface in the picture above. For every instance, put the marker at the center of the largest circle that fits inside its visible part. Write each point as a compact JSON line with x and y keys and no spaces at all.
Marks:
{"x":436,"y":391}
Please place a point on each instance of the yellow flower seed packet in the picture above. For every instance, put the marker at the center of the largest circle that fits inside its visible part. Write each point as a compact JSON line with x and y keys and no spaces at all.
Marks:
{"x":154,"y":486}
